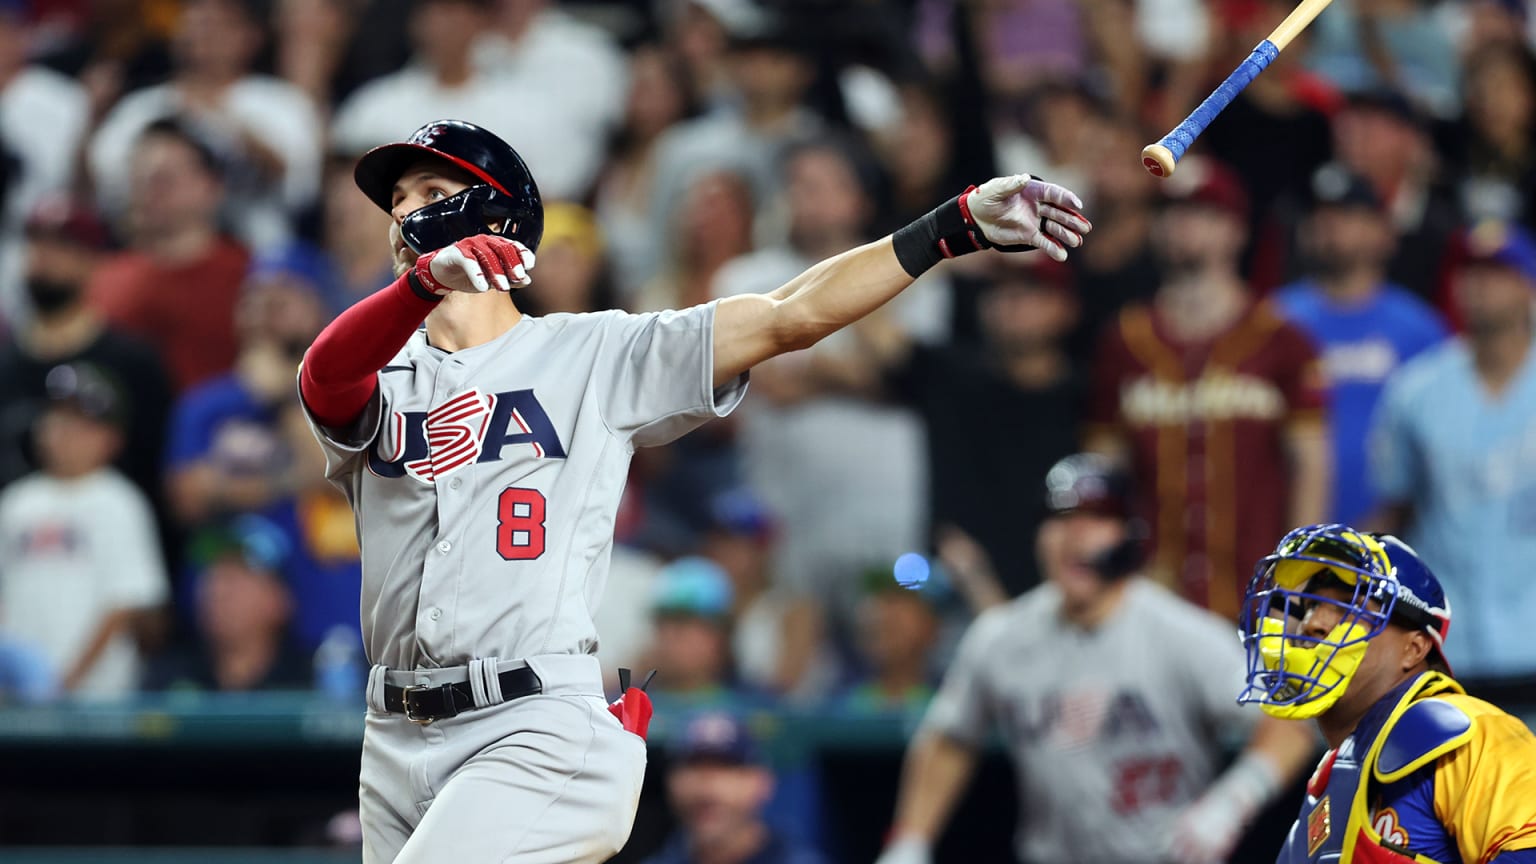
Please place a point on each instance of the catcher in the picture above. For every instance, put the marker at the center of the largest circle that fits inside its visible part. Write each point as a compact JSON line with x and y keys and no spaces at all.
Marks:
{"x":1349,"y":628}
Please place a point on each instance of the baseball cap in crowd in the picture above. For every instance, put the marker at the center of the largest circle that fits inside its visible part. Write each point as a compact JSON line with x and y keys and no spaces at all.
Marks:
{"x":1502,"y":243}
{"x":692,"y":586}
{"x":62,"y":217}
{"x":87,"y":390}
{"x":716,"y":737}
{"x":299,"y":261}
{"x":565,"y":222}
{"x":1389,"y":102}
{"x":740,"y":513}
{"x":738,"y":18}
{"x":1204,"y":181}
{"x":1335,"y":185}
{"x":255,"y":540}
{"x":752,"y":25}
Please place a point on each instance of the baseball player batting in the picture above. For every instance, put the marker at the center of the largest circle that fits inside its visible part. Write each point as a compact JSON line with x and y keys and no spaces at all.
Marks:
{"x":484,"y":454}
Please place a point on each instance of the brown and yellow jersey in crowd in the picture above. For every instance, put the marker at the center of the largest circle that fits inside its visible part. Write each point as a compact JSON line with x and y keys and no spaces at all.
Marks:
{"x":1203,"y":424}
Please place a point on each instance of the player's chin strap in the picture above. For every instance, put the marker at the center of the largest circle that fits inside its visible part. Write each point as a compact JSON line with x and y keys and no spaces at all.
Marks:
{"x":633,"y":707}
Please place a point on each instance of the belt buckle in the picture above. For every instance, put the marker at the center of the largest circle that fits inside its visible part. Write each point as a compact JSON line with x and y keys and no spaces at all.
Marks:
{"x":405,"y":702}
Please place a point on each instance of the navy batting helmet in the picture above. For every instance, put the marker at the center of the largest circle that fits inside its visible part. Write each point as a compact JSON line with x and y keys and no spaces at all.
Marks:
{"x":505,"y":202}
{"x":1087,"y":482}
{"x":1091,"y":483}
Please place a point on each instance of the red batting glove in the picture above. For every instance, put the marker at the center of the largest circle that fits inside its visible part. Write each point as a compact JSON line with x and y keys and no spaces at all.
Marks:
{"x":633,"y":709}
{"x":475,"y":265}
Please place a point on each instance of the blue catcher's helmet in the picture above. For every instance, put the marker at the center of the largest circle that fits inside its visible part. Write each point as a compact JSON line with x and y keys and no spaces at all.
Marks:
{"x":1294,"y":675}
{"x":505,"y":202}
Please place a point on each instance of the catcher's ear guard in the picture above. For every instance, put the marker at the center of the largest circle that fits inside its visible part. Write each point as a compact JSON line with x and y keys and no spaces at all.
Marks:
{"x":633,"y":707}
{"x":477,"y":210}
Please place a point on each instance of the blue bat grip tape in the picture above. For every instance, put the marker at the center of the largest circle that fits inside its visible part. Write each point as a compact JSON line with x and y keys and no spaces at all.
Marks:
{"x":1185,"y":133}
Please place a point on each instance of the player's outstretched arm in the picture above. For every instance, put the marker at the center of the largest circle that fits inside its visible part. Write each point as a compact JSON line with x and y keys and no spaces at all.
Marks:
{"x":1010,"y":213}
{"x":935,"y":774}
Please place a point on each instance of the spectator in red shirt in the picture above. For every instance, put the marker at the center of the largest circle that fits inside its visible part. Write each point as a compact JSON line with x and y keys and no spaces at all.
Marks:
{"x":177,"y":284}
{"x":1212,"y":399}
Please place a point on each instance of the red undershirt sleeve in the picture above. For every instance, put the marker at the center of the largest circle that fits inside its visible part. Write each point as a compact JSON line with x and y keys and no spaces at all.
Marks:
{"x":340,"y":370}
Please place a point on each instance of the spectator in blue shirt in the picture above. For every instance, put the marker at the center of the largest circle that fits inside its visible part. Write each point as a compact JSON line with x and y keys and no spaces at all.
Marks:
{"x":225,"y":454}
{"x":239,"y":445}
{"x":1364,"y":326}
{"x":719,"y":787}
{"x":1453,"y":457}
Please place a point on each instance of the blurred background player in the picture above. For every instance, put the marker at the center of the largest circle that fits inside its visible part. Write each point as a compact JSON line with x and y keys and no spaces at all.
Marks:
{"x":78,"y":587}
{"x":1116,"y":744}
{"x":1350,"y":629}
{"x":1212,"y":400}
{"x":719,"y":786}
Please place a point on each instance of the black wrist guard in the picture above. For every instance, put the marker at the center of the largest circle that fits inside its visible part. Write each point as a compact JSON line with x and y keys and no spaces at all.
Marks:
{"x":944,"y":232}
{"x":420,"y":290}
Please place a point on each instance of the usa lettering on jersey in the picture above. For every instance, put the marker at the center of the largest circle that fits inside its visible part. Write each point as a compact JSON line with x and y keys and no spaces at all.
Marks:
{"x":469,"y":427}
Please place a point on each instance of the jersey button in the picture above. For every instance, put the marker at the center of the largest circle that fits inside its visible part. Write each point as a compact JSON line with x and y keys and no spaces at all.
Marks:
{"x":435,"y":614}
{"x":444,"y":547}
{"x":456,"y":483}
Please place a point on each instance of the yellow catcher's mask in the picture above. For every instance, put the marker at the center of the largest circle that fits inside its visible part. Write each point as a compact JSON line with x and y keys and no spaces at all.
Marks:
{"x":1314,"y":676}
{"x":1294,"y":675}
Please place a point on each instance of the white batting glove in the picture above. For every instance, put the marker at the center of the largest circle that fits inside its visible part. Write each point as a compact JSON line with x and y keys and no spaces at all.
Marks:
{"x":475,"y":265}
{"x":907,"y":850}
{"x":1209,"y":829}
{"x":1021,"y":210}
{"x":1205,"y":833}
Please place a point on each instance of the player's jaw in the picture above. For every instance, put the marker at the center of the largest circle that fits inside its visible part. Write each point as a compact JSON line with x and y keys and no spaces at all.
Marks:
{"x":1070,"y":552}
{"x":424,"y":182}
{"x":401,"y":256}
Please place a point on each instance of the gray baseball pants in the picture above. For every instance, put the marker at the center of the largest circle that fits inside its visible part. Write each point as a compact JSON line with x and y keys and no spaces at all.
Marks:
{"x":546,"y":779}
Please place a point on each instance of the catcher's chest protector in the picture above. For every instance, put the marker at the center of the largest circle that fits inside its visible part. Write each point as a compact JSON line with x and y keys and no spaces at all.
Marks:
{"x":1335,"y":825}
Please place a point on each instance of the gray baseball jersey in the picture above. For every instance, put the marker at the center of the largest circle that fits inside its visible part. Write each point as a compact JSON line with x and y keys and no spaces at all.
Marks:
{"x":485,"y":482}
{"x":1112,"y":731}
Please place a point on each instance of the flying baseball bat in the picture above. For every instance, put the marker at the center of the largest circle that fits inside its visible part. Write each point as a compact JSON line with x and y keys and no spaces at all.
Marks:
{"x":1160,"y":158}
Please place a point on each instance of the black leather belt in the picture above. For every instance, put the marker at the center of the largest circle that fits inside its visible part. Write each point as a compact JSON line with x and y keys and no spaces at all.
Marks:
{"x":423,"y":703}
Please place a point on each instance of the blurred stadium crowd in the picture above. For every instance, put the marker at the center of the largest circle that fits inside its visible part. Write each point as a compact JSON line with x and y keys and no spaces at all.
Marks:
{"x":1325,"y":313}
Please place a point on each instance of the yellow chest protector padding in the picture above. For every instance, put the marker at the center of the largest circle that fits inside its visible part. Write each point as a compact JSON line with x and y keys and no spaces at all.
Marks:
{"x":1400,"y":749}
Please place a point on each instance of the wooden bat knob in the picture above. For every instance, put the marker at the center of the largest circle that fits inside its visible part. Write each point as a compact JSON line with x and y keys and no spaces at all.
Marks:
{"x":1158,"y":160}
